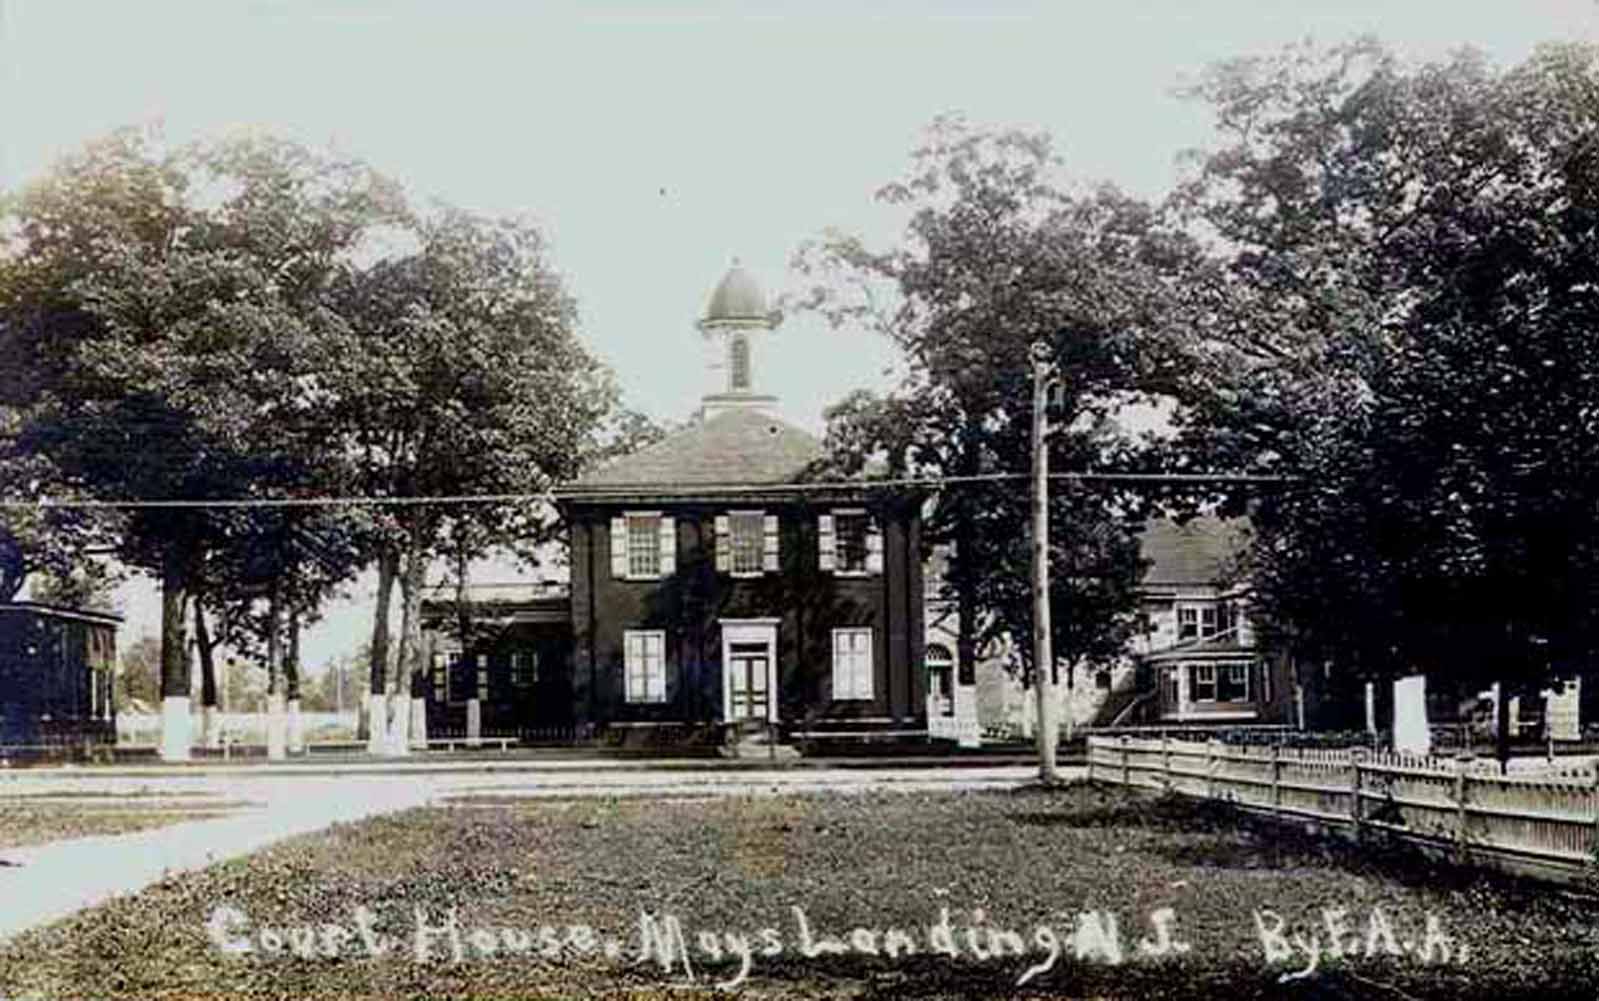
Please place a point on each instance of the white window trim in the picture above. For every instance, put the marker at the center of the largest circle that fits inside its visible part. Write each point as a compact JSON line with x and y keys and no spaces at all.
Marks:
{"x":627,"y":668}
{"x":871,"y":664}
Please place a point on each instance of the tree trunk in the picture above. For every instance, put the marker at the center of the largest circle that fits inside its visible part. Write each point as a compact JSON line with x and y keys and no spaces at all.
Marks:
{"x":410,"y":659}
{"x":291,"y":687}
{"x":210,"y":724}
{"x":373,"y":723}
{"x":463,"y":621}
{"x":176,"y":723}
{"x":276,"y":748}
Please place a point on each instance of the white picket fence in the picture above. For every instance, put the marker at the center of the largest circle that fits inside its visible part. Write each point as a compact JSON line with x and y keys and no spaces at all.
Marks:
{"x":1543,"y":821}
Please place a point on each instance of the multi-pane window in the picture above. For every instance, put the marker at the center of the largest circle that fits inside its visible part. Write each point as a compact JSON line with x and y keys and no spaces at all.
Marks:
{"x":852,"y":663}
{"x":644,"y":545}
{"x":1204,"y":621}
{"x":482,"y":676}
{"x":850,"y":545}
{"x":1219,"y":683}
{"x":524,"y":668}
{"x":442,"y":666}
{"x":645,"y":665}
{"x":747,"y":536}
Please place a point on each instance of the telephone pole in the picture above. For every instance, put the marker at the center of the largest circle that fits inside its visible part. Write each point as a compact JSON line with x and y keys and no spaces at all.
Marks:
{"x":1043,"y":656}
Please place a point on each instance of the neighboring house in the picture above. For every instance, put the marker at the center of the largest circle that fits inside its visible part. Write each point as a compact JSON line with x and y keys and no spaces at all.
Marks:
{"x":1198,"y":656}
{"x":1195,"y":663}
{"x":515,"y":676}
{"x":709,"y":586}
{"x":56,"y":670}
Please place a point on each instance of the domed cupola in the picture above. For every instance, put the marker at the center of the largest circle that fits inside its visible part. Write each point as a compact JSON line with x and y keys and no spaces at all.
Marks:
{"x":737,"y":310}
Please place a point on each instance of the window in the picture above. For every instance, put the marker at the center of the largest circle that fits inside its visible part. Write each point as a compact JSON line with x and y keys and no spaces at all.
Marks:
{"x":1187,"y":622}
{"x":850,"y":546}
{"x":1220,"y":683}
{"x":852,"y":663}
{"x":643,"y":545}
{"x":740,"y":352}
{"x":645,"y":667}
{"x":1202,"y":621}
{"x":940,"y":677}
{"x":482,"y":690}
{"x":524,"y":668}
{"x":442,"y":665}
{"x":1232,"y":683}
{"x":747,"y":537}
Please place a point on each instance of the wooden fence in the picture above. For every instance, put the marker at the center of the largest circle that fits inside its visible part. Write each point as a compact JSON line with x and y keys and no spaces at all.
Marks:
{"x":1543,"y":823}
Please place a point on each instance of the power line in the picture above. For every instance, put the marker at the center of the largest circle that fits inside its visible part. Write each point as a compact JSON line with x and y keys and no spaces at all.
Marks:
{"x":600,"y":492}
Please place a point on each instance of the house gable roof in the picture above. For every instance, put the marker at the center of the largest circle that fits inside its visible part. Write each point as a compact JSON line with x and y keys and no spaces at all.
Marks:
{"x":1202,"y":552}
{"x":734,"y":448}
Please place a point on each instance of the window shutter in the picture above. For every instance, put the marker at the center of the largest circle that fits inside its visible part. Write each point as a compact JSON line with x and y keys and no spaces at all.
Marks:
{"x":618,"y":547}
{"x":826,"y":544}
{"x":668,"y":546}
{"x":724,"y":545}
{"x":769,"y":543}
{"x":874,"y":549}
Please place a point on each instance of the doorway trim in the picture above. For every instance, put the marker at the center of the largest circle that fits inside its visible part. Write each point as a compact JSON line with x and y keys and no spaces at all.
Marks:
{"x":749,"y":631}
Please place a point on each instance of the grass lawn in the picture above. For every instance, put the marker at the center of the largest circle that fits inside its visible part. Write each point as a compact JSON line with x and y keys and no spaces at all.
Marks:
{"x":40,"y":819}
{"x":1129,"y":895}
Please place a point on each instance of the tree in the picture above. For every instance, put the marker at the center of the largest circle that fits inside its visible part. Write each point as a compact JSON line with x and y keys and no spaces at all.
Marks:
{"x":998,"y":254}
{"x":461,"y":375}
{"x":1404,"y":321}
{"x":170,"y":307}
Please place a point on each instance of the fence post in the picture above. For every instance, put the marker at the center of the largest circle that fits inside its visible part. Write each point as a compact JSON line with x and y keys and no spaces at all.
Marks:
{"x":1594,"y":796}
{"x":1460,"y":804}
{"x":1088,"y":756}
{"x":1210,"y":768}
{"x":1276,"y":777}
{"x":1165,"y":760}
{"x":1126,"y":774}
{"x":1356,"y":755}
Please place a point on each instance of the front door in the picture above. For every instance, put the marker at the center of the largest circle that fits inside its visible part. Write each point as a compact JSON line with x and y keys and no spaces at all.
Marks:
{"x":748,"y":667}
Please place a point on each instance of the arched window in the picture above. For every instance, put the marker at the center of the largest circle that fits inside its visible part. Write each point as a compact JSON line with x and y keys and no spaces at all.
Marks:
{"x":739,"y":352}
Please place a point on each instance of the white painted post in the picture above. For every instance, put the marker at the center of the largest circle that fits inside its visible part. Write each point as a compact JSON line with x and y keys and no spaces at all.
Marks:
{"x":1210,"y":768}
{"x":1355,"y":757}
{"x":1165,"y":760}
{"x":1276,"y":777}
{"x":474,"y":722}
{"x":377,"y":723}
{"x":296,"y":728}
{"x":177,"y":728}
{"x":277,"y":742}
{"x":1461,"y":778}
{"x":1126,"y":772}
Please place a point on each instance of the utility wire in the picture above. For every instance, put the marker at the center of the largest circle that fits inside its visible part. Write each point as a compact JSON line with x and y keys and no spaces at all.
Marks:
{"x":578,"y":494}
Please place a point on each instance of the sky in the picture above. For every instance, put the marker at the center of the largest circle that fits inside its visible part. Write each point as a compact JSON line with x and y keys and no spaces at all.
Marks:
{"x":654,"y":142}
